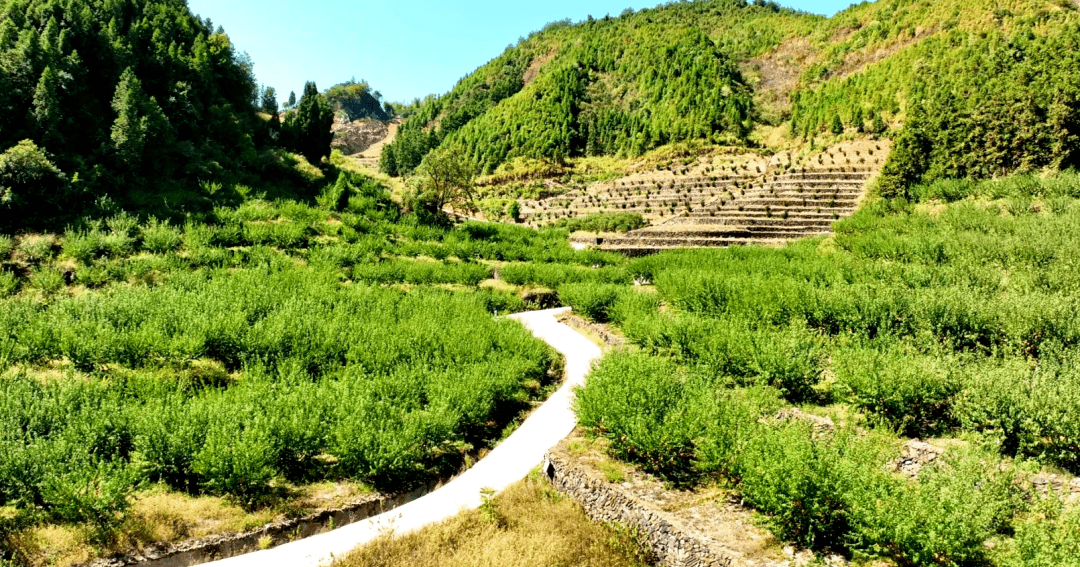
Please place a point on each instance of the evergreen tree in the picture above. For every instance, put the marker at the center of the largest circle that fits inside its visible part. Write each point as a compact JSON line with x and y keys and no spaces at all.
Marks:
{"x":292,"y":99}
{"x":307,"y":131}
{"x":268,"y":101}
{"x":878,"y":125}
{"x":837,"y":125}
{"x":141,"y":134}
{"x":47,"y":107}
{"x":857,"y":120}
{"x":129,"y":129}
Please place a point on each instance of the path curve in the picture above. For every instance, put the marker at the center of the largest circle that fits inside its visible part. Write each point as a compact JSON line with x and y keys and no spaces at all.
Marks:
{"x":506,"y":464}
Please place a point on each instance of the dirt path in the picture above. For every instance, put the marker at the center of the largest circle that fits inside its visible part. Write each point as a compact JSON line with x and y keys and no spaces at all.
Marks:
{"x":374,"y":152}
{"x":506,"y":464}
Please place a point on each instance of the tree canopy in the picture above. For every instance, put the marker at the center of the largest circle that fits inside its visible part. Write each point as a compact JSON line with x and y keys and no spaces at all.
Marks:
{"x":997,"y":76}
{"x":129,"y":95}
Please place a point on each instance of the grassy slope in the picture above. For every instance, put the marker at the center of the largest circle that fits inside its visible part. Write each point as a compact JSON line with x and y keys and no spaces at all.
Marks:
{"x":528,"y":524}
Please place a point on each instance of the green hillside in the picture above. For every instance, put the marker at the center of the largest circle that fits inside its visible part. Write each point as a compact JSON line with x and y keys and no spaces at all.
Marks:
{"x":130,"y":102}
{"x":998,"y":78}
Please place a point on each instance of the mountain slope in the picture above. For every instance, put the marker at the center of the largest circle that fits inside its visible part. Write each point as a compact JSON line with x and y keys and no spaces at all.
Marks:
{"x":124,"y":95}
{"x":724,"y":71}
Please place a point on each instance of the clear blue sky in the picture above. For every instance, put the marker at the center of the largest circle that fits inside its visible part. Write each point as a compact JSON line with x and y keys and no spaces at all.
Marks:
{"x":403,"y":48}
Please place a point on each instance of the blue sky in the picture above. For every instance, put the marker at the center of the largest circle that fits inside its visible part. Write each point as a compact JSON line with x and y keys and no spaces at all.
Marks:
{"x":403,"y":48}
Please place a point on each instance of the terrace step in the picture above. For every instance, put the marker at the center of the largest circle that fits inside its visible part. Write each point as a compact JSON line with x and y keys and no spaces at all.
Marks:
{"x":824,"y":223}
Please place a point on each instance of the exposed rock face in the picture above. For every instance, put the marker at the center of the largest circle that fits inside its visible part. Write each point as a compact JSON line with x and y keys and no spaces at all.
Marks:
{"x":821,"y":425}
{"x":914,"y":457}
{"x":356,"y":136}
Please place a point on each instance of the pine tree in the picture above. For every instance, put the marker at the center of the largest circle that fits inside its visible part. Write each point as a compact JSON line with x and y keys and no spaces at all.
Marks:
{"x":47,"y":110}
{"x":837,"y":125}
{"x":129,"y":129}
{"x":268,"y":101}
{"x":878,"y":125}
{"x":292,"y":99}
{"x":307,"y":131}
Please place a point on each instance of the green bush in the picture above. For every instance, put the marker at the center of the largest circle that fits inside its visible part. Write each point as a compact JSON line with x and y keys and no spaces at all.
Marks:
{"x":159,"y":237}
{"x":9,"y":283}
{"x":593,"y":301}
{"x":422,"y":273}
{"x":1030,"y":411}
{"x":48,"y":279}
{"x":7,"y":245}
{"x":788,"y":358}
{"x":805,"y":484}
{"x":602,"y":222}
{"x":554,"y":275}
{"x":237,"y":459}
{"x":637,"y":402}
{"x":912,"y":393}
{"x":36,"y":248}
{"x":1045,"y":539}
{"x":944,"y":518}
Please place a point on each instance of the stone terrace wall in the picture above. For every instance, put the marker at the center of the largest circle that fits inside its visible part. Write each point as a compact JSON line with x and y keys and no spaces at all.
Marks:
{"x":673,"y":543}
{"x":213,"y":548}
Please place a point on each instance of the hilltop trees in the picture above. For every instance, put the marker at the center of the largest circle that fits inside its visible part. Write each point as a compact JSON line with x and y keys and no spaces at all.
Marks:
{"x":621,"y":87}
{"x":307,"y":131}
{"x":137,"y":97}
{"x":268,"y":101}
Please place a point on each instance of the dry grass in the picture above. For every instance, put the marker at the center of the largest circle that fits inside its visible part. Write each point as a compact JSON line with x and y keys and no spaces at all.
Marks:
{"x":527,"y":525}
{"x":158,"y":516}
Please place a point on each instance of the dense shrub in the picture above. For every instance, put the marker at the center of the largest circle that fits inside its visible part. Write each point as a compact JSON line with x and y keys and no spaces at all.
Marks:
{"x":913,"y":393}
{"x":637,"y":402}
{"x":594,"y":301}
{"x":788,"y":358}
{"x":602,"y":222}
{"x":1045,"y":539}
{"x":380,"y":379}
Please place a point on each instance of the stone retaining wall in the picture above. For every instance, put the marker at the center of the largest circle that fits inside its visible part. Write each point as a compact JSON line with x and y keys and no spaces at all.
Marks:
{"x":580,"y":324}
{"x":213,"y":548}
{"x":674,"y":544}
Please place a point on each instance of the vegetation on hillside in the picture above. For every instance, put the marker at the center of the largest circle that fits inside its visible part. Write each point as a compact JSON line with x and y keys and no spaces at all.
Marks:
{"x":136,"y":103}
{"x":356,"y":100}
{"x":990,"y":76}
{"x":122,"y":96}
{"x":950,"y":316}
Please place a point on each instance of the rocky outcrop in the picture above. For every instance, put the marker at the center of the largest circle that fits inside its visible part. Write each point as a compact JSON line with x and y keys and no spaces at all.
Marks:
{"x":356,"y":136}
{"x":914,"y":456}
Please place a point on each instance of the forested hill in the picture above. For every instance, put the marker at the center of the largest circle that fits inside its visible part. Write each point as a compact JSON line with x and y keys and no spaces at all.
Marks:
{"x":986,"y":86}
{"x":116,"y":96}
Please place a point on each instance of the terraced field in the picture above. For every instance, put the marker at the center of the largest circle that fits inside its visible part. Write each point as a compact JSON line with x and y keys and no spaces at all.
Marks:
{"x":729,"y":200}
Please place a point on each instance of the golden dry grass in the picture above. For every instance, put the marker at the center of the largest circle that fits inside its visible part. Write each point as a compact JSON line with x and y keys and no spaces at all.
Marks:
{"x":528,"y":525}
{"x":159,"y":515}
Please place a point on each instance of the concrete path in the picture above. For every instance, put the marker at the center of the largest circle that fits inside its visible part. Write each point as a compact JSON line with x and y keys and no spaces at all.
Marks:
{"x":508,"y":463}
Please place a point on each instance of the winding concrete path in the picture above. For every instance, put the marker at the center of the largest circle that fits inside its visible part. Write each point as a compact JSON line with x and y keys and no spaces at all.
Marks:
{"x":508,"y":463}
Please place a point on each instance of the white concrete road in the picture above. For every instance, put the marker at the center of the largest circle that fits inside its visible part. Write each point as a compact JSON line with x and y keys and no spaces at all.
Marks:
{"x":508,"y":463}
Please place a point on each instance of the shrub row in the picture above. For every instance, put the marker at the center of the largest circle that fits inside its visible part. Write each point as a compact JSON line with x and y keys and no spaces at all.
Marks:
{"x":228,"y":384}
{"x":824,"y":491}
